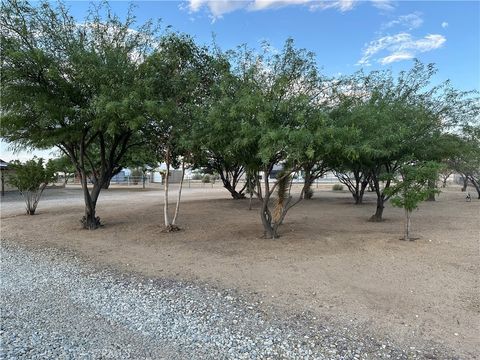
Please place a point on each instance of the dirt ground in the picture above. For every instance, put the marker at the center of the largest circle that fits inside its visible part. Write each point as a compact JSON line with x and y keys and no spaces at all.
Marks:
{"x":329,"y":261}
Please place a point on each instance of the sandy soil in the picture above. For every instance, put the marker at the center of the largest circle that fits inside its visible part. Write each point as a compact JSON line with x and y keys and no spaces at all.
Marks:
{"x":329,"y":260}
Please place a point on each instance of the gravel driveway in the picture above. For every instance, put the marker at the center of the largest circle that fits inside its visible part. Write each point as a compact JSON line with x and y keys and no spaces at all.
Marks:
{"x":55,"y":306}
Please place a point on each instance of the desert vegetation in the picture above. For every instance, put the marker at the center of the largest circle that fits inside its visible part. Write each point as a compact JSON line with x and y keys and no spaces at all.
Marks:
{"x":108,"y":97}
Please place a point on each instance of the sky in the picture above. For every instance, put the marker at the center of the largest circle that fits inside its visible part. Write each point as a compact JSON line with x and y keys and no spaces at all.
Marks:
{"x":345,"y":35}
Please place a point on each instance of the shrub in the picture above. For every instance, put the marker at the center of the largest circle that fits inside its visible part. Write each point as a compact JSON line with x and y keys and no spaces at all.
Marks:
{"x":337,"y":187}
{"x":31,"y":178}
{"x":197,"y":176}
{"x":206,"y":179}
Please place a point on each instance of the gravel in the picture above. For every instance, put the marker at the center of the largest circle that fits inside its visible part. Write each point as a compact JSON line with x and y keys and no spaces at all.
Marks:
{"x":55,"y":305}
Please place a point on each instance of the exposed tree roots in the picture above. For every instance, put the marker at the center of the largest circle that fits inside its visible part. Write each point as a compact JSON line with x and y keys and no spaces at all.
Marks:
{"x":171,"y":228}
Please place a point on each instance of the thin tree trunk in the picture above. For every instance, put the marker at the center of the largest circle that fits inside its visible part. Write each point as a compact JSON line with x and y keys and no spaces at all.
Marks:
{"x":363,"y":186}
{"x":165,"y":194}
{"x":231,"y":188}
{"x":177,"y":208}
{"x":259,"y":187}
{"x":432,"y":186}
{"x":406,"y":235}
{"x":465,"y":183}
{"x":265,"y":214}
{"x":36,"y":198}
{"x":28,"y":202}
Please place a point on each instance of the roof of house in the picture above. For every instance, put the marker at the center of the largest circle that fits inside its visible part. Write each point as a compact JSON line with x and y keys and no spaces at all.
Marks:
{"x":3,"y":164}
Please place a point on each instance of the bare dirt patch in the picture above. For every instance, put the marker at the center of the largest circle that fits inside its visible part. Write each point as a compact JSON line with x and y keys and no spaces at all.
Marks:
{"x":329,"y":259}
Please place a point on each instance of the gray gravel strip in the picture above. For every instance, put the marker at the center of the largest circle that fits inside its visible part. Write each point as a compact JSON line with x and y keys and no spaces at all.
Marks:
{"x":55,"y":306}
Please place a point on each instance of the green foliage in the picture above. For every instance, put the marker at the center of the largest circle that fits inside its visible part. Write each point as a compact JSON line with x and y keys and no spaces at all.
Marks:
{"x":206,"y":178}
{"x":31,"y":178}
{"x":337,"y":187}
{"x":73,"y":85}
{"x":31,"y":175}
{"x":413,"y":186}
{"x":64,"y":165}
{"x":176,"y":80}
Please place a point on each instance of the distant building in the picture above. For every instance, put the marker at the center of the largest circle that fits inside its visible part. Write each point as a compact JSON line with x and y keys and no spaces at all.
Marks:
{"x":5,"y":171}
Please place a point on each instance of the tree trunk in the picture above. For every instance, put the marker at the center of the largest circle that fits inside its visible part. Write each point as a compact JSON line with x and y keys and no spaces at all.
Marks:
{"x":363,"y":186}
{"x":106,"y":184}
{"x":444,"y":181}
{"x":432,"y":186}
{"x":406,"y":233}
{"x":476,"y":185}
{"x":266,"y":217}
{"x":465,"y":184}
{"x":378,"y":216}
{"x":265,"y":213}
{"x":307,"y":184}
{"x":165,"y":195}
{"x":177,"y":208}
{"x":228,"y":185}
{"x":355,"y":185}
{"x":90,"y":221}
{"x":28,"y":196}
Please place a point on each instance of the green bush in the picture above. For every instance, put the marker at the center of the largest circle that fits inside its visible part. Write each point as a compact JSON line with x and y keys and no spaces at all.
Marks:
{"x":206,"y":179}
{"x":197,"y":176}
{"x":337,"y":187}
{"x":31,"y":178}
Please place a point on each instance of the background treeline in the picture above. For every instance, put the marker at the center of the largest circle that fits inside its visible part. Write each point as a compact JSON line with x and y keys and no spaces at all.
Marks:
{"x":109,"y":96}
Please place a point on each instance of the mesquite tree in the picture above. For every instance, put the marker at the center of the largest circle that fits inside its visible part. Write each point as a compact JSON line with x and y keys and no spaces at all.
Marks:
{"x":465,"y":158}
{"x":176,"y":79}
{"x":471,"y":166}
{"x":411,"y":188}
{"x":31,"y":178}
{"x":276,"y":109}
{"x":63,"y":164}
{"x":400,"y":117}
{"x":221,"y":146}
{"x":72,"y":85}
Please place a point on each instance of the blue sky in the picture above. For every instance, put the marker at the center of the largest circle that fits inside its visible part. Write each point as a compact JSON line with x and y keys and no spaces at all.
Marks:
{"x":346,"y":35}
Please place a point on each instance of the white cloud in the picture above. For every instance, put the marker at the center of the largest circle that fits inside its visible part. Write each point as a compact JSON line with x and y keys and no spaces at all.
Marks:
{"x":217,"y":8}
{"x":268,"y":4}
{"x":342,"y":5}
{"x":399,"y":47}
{"x":399,"y":56}
{"x":444,"y":24}
{"x":386,"y":5}
{"x":410,"y":21}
